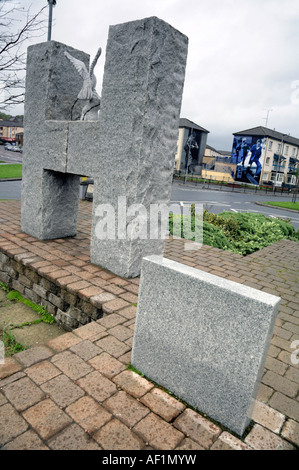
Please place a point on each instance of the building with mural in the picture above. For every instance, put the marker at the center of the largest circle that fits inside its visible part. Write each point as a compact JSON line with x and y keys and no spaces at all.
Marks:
{"x":191,"y":146}
{"x":265,"y":156}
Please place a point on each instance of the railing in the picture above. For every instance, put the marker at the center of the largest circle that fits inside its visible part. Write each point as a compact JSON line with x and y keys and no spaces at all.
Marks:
{"x":224,"y":159}
{"x":206,"y":183}
{"x":275,"y":166}
{"x":225,"y":169}
{"x":210,"y":164}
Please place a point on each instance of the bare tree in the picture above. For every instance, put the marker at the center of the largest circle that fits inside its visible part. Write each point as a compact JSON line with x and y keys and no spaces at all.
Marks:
{"x":17,"y":26}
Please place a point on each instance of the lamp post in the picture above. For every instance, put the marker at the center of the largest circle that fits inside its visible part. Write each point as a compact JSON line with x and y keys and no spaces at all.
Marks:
{"x":51,"y":4}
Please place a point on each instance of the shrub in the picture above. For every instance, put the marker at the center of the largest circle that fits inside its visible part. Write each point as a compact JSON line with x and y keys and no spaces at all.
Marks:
{"x":214,"y":236}
{"x":241,"y":233}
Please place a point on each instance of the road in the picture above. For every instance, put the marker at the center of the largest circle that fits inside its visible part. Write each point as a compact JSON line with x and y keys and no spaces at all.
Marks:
{"x":10,"y":189}
{"x":9,"y":157}
{"x":216,"y":201}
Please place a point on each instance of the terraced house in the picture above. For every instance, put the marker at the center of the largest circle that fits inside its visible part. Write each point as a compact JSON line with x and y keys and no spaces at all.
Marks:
{"x":266,"y":156}
{"x":9,"y":131}
{"x":191,"y":145}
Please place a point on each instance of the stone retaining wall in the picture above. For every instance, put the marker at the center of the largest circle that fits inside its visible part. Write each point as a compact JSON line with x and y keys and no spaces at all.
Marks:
{"x":69,"y":310}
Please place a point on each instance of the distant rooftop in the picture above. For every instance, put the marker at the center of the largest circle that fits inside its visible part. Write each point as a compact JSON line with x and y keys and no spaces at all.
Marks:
{"x":191,"y":125}
{"x":261,"y":131}
{"x":4,"y":123}
{"x":222,"y":152}
{"x":211,"y":148}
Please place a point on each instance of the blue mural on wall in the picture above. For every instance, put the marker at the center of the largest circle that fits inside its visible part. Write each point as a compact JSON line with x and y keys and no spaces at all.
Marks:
{"x":248,"y":153}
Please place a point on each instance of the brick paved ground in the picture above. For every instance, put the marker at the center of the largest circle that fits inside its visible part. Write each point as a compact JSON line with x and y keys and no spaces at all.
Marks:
{"x":75,"y":391}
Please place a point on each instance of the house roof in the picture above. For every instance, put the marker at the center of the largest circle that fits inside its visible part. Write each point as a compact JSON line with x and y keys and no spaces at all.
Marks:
{"x":221,"y":152}
{"x":10,"y":123}
{"x":191,"y":125}
{"x":211,"y":148}
{"x":261,"y":131}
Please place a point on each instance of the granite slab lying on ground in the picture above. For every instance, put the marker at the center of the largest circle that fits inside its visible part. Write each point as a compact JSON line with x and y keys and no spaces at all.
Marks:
{"x":208,"y":344}
{"x":83,"y":407}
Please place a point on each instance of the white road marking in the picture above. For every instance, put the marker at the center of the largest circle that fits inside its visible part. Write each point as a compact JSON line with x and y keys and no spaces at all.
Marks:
{"x":202,"y":202}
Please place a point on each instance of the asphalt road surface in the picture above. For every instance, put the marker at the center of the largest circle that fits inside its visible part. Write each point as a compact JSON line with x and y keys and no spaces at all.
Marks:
{"x":9,"y":157}
{"x":215,"y":200}
{"x":10,"y":189}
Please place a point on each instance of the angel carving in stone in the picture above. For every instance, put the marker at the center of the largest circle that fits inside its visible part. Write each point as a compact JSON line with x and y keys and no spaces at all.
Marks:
{"x":88,"y":92}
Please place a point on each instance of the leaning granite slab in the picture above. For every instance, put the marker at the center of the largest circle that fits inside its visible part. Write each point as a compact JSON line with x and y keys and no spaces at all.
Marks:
{"x":203,"y":337}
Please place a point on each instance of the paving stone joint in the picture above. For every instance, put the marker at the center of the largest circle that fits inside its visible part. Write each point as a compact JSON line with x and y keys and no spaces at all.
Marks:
{"x":77,"y":392}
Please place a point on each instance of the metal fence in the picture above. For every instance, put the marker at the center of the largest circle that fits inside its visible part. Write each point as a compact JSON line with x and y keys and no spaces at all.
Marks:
{"x":206,"y":183}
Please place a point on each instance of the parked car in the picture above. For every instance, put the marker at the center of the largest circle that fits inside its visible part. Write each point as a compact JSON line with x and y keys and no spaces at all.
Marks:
{"x":9,"y":147}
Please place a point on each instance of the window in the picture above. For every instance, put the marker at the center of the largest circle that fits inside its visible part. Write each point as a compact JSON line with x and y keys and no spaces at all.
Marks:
{"x":276,"y":176}
{"x":286,"y":152}
{"x":278,"y":148}
{"x":291,"y":179}
{"x":270,"y":145}
{"x":267,"y":160}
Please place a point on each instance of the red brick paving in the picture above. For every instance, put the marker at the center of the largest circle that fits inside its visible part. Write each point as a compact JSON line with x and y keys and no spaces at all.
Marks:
{"x":76,"y":393}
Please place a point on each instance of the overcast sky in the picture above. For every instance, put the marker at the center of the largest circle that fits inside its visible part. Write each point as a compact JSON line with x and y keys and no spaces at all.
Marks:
{"x":243,"y":55}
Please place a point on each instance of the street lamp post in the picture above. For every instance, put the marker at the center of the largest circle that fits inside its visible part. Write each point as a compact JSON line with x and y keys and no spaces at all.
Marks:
{"x":51,"y":4}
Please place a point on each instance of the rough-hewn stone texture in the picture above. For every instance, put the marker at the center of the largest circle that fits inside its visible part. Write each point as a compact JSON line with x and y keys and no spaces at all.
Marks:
{"x":141,"y":99}
{"x":49,"y":194}
{"x":129,"y":152}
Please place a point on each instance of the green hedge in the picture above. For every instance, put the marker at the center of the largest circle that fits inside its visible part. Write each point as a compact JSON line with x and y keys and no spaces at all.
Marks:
{"x":241,"y":233}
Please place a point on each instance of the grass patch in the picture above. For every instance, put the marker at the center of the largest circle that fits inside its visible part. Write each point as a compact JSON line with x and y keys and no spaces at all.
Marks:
{"x":41,"y":310}
{"x":4,"y":287}
{"x":13,"y":295}
{"x":242,"y":233}
{"x":11,"y":346}
{"x":11,"y":171}
{"x":284,"y":204}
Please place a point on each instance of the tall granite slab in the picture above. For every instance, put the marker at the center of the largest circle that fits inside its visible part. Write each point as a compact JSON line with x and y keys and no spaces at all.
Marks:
{"x":49,"y":193}
{"x":140,"y":109}
{"x":204,"y":338}
{"x":129,"y":151}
